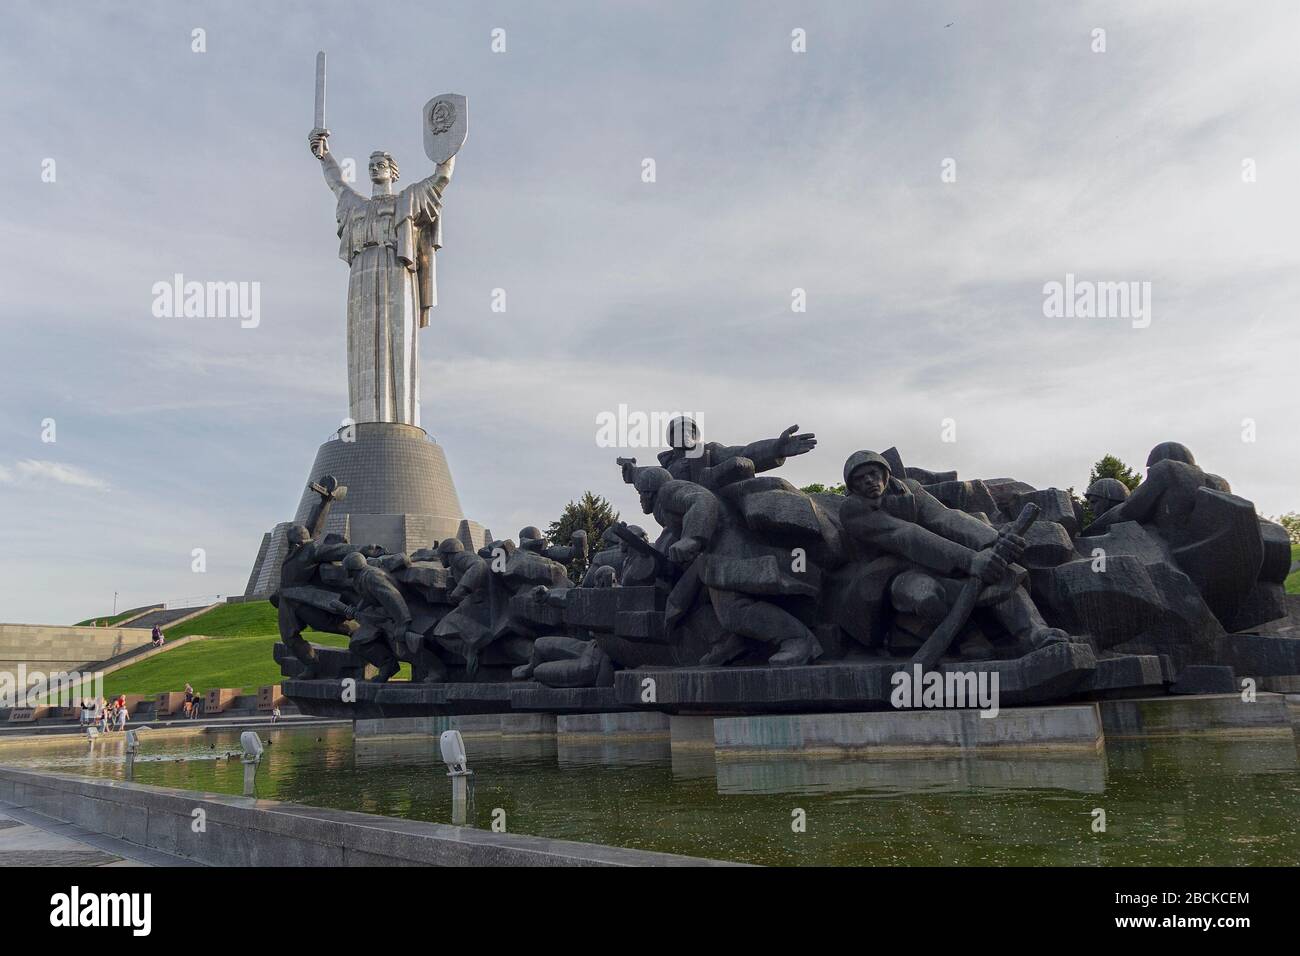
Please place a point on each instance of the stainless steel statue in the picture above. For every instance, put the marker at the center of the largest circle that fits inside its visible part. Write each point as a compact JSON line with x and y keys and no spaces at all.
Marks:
{"x":390,"y":242}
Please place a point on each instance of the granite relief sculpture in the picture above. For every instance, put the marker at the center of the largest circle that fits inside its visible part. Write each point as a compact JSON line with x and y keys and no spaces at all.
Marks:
{"x":754,"y":578}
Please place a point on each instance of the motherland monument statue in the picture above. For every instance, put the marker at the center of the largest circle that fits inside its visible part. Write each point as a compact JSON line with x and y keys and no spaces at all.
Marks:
{"x":390,"y":242}
{"x":401,"y":497}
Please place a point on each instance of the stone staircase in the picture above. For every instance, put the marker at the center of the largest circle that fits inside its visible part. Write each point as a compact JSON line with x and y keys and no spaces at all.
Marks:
{"x":167,"y":616}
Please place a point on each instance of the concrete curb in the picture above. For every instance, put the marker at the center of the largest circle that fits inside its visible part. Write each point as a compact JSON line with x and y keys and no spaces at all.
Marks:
{"x":246,"y":831}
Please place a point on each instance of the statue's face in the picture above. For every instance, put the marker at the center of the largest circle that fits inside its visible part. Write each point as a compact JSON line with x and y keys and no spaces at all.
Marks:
{"x":683,"y":434}
{"x":868,"y":481}
{"x":380,"y":171}
{"x":1098,"y":504}
{"x":648,"y":502}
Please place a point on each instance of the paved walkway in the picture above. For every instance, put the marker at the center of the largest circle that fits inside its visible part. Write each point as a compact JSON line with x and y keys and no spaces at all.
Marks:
{"x":28,"y":838}
{"x":72,"y":728}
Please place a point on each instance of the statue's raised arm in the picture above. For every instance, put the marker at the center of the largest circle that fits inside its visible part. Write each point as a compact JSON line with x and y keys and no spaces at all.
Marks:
{"x":318,"y":142}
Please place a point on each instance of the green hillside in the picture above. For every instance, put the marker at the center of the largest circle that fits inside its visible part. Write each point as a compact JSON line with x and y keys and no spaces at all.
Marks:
{"x":237,"y":654}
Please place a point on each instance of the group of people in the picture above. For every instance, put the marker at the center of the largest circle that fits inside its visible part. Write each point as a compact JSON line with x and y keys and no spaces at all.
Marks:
{"x":104,"y":714}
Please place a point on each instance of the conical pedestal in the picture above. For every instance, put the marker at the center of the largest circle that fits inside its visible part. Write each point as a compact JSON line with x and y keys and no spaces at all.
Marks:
{"x":400,"y":495}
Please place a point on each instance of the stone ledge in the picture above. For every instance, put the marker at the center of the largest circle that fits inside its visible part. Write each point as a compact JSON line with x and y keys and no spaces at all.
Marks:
{"x":1224,"y":714}
{"x":1046,"y":674}
{"x":612,"y":725}
{"x":1067,"y":727}
{"x":246,"y":831}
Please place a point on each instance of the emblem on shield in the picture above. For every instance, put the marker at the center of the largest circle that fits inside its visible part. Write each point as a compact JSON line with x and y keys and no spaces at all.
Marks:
{"x":445,"y":123}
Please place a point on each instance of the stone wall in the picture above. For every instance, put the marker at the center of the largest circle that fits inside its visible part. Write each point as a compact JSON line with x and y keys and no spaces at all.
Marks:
{"x":245,"y":831}
{"x":55,"y":648}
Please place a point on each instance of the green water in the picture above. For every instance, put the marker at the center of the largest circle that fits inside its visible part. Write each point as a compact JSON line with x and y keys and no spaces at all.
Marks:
{"x":1188,"y":801}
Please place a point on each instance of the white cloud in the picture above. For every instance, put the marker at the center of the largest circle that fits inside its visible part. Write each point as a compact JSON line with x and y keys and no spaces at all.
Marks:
{"x":34,"y":472}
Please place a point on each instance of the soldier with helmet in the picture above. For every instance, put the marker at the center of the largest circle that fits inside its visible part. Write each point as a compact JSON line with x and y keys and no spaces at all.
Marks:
{"x":1104,"y":494}
{"x":383,"y":614}
{"x":713,"y":465}
{"x":920,"y":552}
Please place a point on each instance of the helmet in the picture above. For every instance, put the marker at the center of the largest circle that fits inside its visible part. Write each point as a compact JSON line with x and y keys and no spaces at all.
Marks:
{"x":354,"y":561}
{"x":682,"y":432}
{"x":1108,"y":489}
{"x":860,"y":458}
{"x":1170,"y":451}
{"x":530,"y":532}
{"x":650,"y":480}
{"x":450,"y":546}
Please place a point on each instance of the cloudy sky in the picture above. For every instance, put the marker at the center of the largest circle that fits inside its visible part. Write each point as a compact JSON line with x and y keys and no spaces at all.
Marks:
{"x":774,"y":171}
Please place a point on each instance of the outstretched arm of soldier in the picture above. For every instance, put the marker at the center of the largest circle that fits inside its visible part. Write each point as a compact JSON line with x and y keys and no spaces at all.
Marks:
{"x":791,"y":444}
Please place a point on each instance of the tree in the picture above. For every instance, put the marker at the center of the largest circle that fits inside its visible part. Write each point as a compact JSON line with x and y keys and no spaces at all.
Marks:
{"x":1108,"y":466}
{"x":590,"y":513}
{"x":817,"y":488}
{"x":1290,"y":521}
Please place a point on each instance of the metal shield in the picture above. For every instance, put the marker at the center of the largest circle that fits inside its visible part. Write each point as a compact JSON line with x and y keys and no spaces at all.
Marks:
{"x":445,"y":121}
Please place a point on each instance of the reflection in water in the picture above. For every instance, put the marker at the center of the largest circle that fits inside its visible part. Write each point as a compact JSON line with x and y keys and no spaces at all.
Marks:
{"x":900,"y":775}
{"x":1191,"y":801}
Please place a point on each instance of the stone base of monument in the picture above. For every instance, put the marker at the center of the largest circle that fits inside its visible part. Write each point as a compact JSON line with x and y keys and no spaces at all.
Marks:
{"x":400,"y":495}
{"x":1073,"y":727}
{"x":1223,"y":714}
{"x":527,"y":725}
{"x":834,"y":708}
{"x":1204,"y":679}
{"x":928,"y":771}
{"x":1051,"y":673}
{"x":690,"y":732}
{"x":327,"y":698}
{"x":532,"y":696}
{"x":644,"y":724}
{"x":1286,"y":684}
{"x":1259,"y":655}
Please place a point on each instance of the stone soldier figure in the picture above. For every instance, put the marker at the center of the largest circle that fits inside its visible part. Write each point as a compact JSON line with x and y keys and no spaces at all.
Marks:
{"x":1104,"y":494}
{"x":468,"y":625}
{"x":926,"y":550}
{"x":617,"y":557}
{"x":1166,"y":497}
{"x":383,"y":615}
{"x":532,"y":539}
{"x":713,"y":465}
{"x":531,"y":566}
{"x":701,"y":529}
{"x":558,"y":660}
{"x":300,"y":601}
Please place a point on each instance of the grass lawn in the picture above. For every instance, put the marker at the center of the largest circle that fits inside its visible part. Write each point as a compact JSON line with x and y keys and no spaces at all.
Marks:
{"x":1293,"y":580}
{"x":247,"y":619}
{"x":108,"y":620}
{"x":245,"y":662}
{"x":238,"y":654}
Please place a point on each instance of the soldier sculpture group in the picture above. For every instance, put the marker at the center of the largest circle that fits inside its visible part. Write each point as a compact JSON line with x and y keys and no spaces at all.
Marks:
{"x":749,"y":570}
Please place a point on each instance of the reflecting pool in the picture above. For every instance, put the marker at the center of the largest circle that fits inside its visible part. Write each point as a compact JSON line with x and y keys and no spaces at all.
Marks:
{"x":1188,"y":801}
